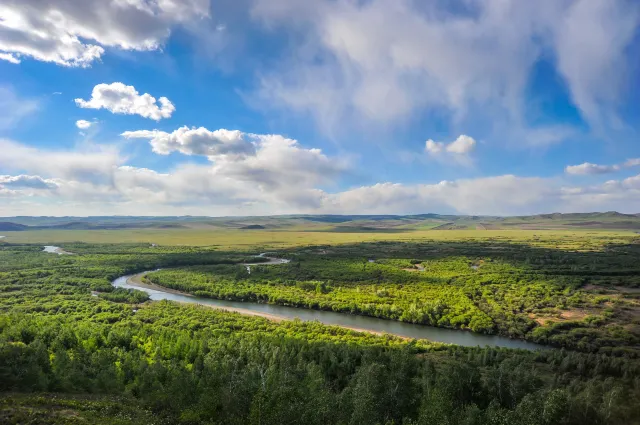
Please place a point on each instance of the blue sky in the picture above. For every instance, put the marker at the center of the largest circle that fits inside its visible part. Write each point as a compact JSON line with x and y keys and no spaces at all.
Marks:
{"x":323,"y":106}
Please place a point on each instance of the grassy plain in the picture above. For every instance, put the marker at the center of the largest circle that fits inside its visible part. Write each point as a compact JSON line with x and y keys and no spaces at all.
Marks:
{"x":253,"y":239}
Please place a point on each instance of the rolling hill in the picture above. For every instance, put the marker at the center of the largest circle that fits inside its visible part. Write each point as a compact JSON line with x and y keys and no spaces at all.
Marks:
{"x":335,"y":223}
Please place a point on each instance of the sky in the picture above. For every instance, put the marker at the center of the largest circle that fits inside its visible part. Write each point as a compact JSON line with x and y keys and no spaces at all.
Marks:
{"x":264,"y":107}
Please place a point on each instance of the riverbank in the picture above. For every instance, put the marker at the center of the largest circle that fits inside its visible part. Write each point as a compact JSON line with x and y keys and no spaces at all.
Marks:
{"x":357,"y":323}
{"x":137,"y":281}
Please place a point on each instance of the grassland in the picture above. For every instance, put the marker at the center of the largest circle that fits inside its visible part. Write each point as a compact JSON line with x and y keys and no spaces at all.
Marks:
{"x":226,"y":239}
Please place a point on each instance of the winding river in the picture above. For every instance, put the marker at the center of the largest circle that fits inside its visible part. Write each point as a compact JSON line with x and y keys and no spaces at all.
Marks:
{"x":350,"y":321}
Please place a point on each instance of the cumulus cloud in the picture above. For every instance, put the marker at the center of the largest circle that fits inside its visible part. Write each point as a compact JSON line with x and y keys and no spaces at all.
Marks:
{"x":196,"y":141}
{"x":463,"y":145}
{"x":93,"y":165}
{"x":265,"y":159}
{"x":121,"y":99}
{"x":198,"y":189}
{"x":9,"y":58}
{"x":499,"y":195}
{"x":384,"y":61}
{"x":83,"y":124}
{"x":282,"y":164}
{"x":255,"y":166}
{"x":278,"y":176}
{"x":76,"y":33}
{"x":457,"y":151}
{"x":588,"y":168}
{"x":26,"y":182}
{"x":492,"y":195}
{"x":270,"y":171}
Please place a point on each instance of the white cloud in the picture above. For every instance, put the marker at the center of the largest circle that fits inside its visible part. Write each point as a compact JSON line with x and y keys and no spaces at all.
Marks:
{"x":256,"y":166}
{"x":121,"y":99}
{"x":456,"y":151}
{"x":434,"y":148}
{"x":76,"y":33}
{"x":281,"y":163}
{"x":93,"y":165}
{"x":26,"y":182}
{"x":269,"y":172}
{"x":83,"y":124}
{"x":196,"y":189}
{"x":9,"y":58}
{"x":492,"y":195}
{"x":591,"y":42}
{"x":385,"y":61}
{"x":463,"y":145}
{"x":195,"y":141}
{"x":589,"y":168}
{"x":278,"y":176}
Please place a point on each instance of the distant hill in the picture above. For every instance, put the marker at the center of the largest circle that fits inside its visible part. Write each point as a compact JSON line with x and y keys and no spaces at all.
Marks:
{"x":334,"y":223}
{"x":79,"y":225}
{"x":6,"y":226}
{"x":579,"y":216}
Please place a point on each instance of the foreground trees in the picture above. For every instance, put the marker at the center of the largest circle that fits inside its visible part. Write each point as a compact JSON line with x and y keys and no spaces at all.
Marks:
{"x":196,"y":365}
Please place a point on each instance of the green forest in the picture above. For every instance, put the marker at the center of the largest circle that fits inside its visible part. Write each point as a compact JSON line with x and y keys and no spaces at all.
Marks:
{"x":74,"y":349}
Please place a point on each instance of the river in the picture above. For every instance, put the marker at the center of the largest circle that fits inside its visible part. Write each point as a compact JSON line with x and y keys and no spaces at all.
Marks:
{"x":345,"y":320}
{"x":351,"y":321}
{"x":56,"y":250}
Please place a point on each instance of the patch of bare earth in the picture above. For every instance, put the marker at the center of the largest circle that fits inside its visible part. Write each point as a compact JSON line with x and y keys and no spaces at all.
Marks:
{"x":627,"y":290}
{"x":574,"y":314}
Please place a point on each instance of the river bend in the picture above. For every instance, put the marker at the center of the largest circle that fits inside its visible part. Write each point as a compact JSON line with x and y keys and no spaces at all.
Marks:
{"x":351,"y":321}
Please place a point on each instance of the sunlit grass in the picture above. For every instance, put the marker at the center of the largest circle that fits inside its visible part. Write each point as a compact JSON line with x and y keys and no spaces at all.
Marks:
{"x":251,"y":239}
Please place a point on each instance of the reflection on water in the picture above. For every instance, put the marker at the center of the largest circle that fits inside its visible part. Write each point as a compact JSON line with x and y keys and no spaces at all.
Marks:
{"x":410,"y":330}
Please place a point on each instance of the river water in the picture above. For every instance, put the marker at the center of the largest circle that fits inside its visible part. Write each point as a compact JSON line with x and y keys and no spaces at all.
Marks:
{"x":55,"y":250}
{"x":364,"y":323}
{"x":450,"y":336}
